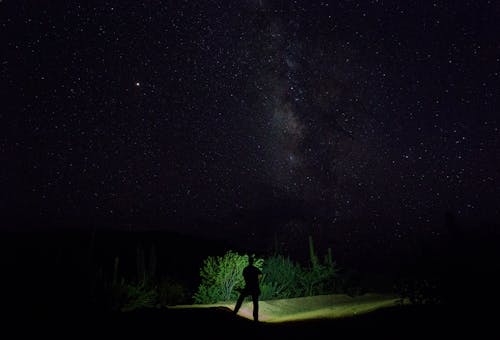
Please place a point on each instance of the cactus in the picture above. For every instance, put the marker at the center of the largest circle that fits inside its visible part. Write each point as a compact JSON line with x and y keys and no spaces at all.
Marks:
{"x":152,"y":263}
{"x":328,"y":258}
{"x":115,"y":270}
{"x":311,"y":249}
{"x":320,"y":278}
{"x":141,"y":267}
{"x":312,"y":254}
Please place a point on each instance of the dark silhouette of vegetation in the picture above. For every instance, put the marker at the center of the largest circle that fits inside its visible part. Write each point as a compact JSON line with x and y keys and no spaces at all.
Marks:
{"x":460,"y":263}
{"x":145,"y":290}
{"x":58,"y":272}
{"x":418,"y":291}
{"x":320,"y":278}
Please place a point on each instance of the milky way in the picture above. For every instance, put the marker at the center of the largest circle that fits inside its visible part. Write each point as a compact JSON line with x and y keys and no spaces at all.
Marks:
{"x":375,"y":117}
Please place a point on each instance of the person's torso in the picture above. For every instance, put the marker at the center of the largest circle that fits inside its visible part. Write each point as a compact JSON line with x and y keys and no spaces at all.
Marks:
{"x":251,"y":275}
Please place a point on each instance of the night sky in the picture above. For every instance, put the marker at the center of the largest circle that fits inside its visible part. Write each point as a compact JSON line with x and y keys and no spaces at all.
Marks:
{"x":251,"y":119}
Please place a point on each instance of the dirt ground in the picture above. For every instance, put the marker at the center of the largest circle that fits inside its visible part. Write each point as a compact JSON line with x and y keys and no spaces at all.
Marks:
{"x":399,"y":322}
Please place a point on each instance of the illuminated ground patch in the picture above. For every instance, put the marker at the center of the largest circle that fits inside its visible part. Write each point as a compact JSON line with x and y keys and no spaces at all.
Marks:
{"x":313,"y":307}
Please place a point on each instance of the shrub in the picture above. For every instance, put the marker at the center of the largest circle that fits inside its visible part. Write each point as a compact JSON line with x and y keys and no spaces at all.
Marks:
{"x":144,"y":291}
{"x":282,"y":278}
{"x":320,"y":277}
{"x":418,"y":291}
{"x":271,"y":290}
{"x":170,"y":292}
{"x":139,"y":295}
{"x":221,"y":277}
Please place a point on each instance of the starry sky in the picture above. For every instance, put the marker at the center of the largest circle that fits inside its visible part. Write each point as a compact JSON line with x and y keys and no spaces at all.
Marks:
{"x":251,"y":118}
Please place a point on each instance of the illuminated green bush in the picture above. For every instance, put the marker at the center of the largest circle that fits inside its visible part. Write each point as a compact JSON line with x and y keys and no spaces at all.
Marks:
{"x":282,"y":278}
{"x":221,"y":277}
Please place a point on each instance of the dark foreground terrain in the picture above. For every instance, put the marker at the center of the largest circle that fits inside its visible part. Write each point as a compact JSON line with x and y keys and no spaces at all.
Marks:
{"x":45,"y":281}
{"x":398,"y":322}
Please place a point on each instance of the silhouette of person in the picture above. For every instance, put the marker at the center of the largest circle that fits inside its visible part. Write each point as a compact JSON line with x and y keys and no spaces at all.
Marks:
{"x":252,"y":275}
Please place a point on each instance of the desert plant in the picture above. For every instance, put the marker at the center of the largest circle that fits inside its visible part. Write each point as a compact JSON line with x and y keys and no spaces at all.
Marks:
{"x":170,"y":292}
{"x":119,"y":293}
{"x":221,"y":277}
{"x":418,"y":291}
{"x":282,"y":278}
{"x":319,"y":278}
{"x":139,"y":295}
{"x":271,"y":290}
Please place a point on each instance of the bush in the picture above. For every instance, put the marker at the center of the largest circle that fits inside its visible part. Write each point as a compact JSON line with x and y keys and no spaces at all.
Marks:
{"x":128,"y":296}
{"x":144,"y":291}
{"x":221,"y":277}
{"x":320,"y":277}
{"x":170,"y":292}
{"x":418,"y":291}
{"x":282,"y":278}
{"x":139,"y":295}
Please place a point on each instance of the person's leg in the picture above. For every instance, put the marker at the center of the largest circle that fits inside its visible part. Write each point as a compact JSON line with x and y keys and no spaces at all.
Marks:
{"x":239,"y":302}
{"x":255,"y":299}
